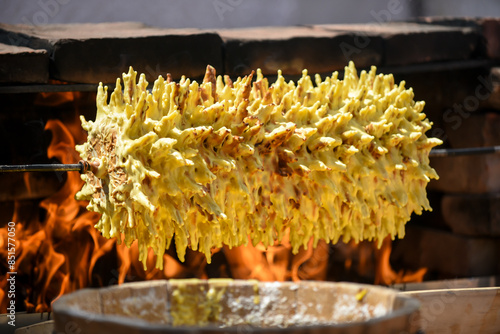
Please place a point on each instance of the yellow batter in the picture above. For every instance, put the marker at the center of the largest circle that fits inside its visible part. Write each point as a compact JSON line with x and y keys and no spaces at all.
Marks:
{"x":218,"y":162}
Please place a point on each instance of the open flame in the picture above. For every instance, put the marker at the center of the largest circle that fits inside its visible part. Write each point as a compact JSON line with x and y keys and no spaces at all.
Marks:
{"x":60,"y":251}
{"x":384,"y":273}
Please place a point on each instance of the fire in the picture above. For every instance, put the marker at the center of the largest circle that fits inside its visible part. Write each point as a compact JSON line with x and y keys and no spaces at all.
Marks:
{"x":58,"y":250}
{"x":384,"y":273}
{"x":277,"y":263}
{"x":54,"y":253}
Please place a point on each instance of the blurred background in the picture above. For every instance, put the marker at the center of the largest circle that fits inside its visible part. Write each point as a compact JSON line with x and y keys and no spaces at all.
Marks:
{"x":236,"y":13}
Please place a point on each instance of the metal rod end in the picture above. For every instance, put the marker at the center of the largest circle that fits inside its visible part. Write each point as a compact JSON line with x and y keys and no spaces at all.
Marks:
{"x":88,"y":166}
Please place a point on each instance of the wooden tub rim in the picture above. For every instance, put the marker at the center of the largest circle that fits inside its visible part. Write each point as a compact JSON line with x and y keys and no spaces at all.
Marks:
{"x":61,"y":309}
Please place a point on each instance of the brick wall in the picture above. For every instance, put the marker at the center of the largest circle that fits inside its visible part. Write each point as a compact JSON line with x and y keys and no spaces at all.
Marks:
{"x":90,"y":53}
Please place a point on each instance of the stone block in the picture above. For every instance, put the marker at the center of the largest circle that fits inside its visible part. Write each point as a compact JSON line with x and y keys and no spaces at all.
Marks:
{"x":292,"y":49}
{"x":475,"y":215}
{"x":493,"y":80}
{"x":93,"y":53}
{"x":489,"y":28}
{"x":20,"y":64}
{"x":412,"y":43}
{"x":473,"y":130}
{"x":472,"y":174}
{"x":446,"y":253}
{"x":491,"y":33}
{"x":447,"y":90}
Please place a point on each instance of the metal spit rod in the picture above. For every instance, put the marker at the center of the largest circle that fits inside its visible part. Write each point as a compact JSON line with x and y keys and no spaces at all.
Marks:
{"x":85,"y":166}
{"x":82,"y":167}
{"x":451,"y":152}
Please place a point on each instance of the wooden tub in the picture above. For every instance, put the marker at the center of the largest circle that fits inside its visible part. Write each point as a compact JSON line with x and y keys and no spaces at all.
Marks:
{"x":235,"y":306}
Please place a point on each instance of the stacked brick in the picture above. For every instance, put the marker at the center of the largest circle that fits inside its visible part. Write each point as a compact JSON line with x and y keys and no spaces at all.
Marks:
{"x":91,"y":53}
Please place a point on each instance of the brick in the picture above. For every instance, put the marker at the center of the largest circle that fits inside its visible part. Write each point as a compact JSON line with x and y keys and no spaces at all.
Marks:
{"x":489,"y":28}
{"x":491,"y":31}
{"x":292,"y":49}
{"x":90,"y":53}
{"x":448,"y":254}
{"x":412,"y":43}
{"x":444,"y":88}
{"x":20,"y":64}
{"x":474,"y":174}
{"x":473,"y":130}
{"x":23,"y":35}
{"x":493,"y":100}
{"x":472,"y":214}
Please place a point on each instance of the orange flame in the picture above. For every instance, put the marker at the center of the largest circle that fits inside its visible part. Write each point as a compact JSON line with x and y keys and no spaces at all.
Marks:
{"x":56,"y":254}
{"x":384,"y":273}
